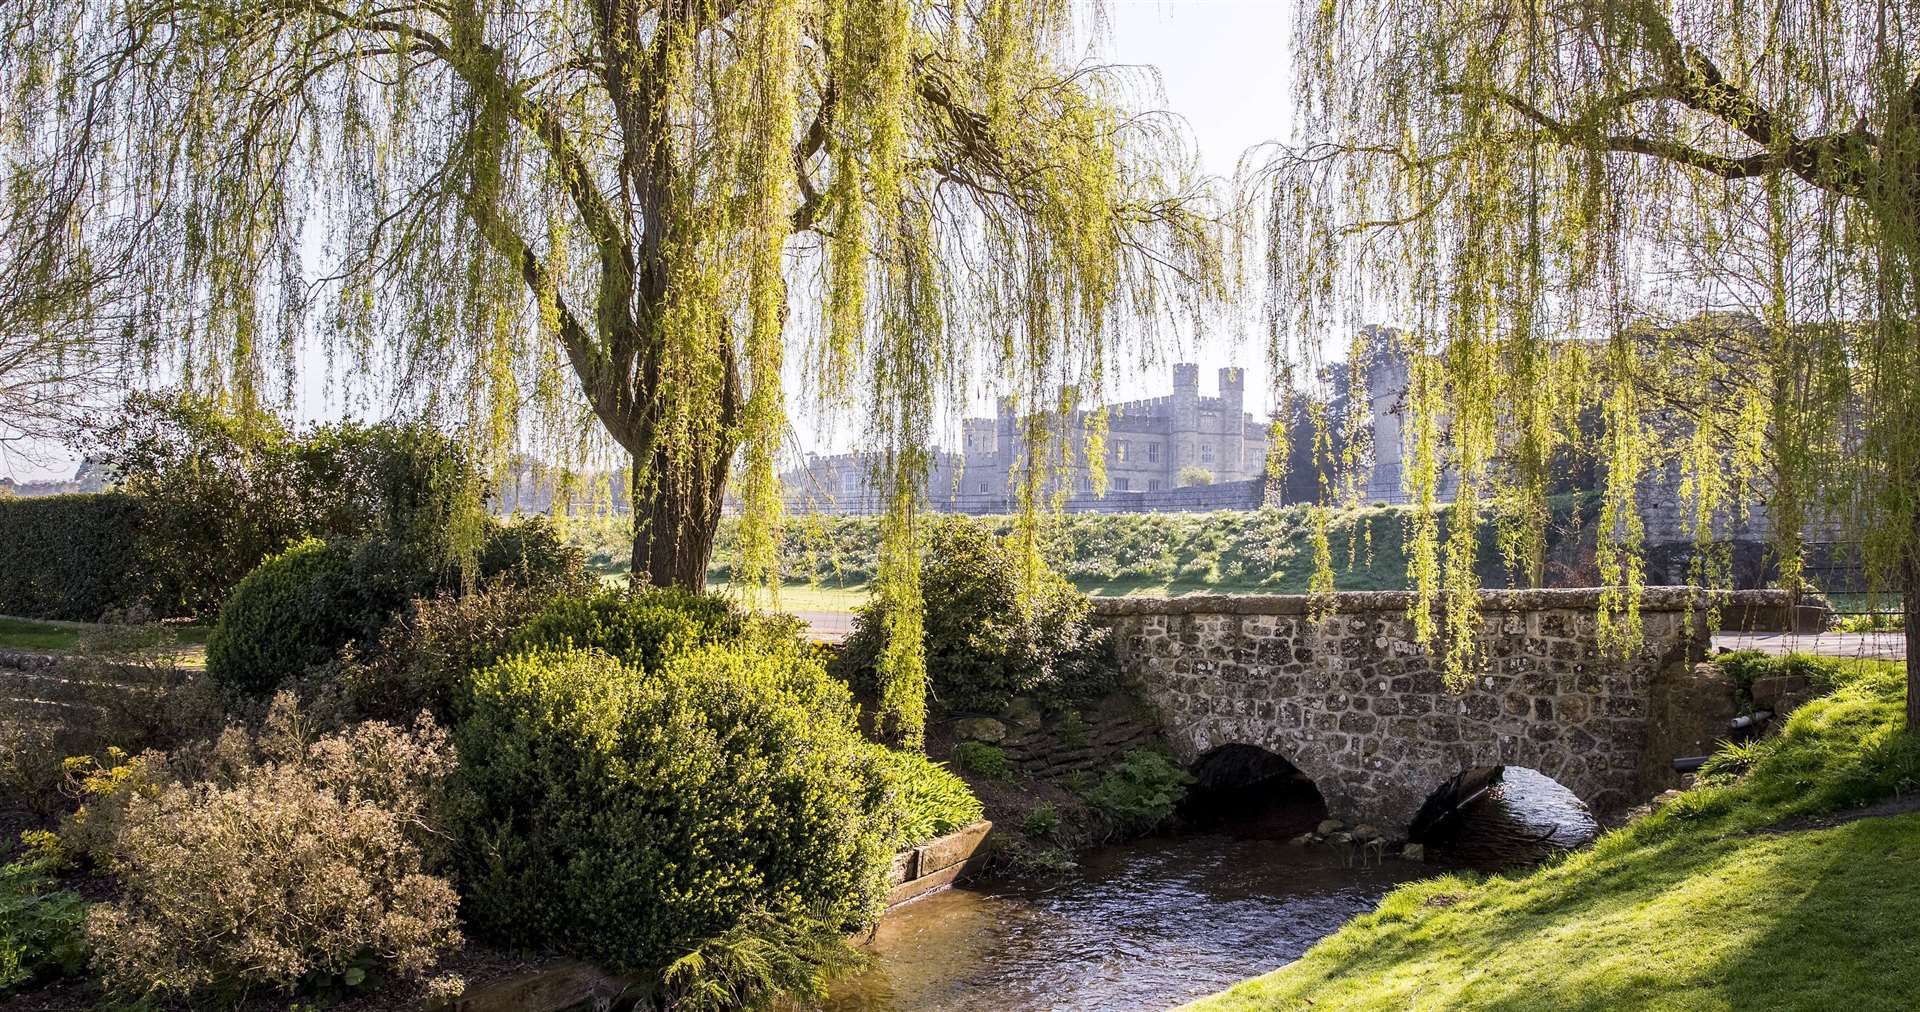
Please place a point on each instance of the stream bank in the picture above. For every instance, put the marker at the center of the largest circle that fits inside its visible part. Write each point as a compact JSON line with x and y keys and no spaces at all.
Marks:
{"x":1227,"y":891}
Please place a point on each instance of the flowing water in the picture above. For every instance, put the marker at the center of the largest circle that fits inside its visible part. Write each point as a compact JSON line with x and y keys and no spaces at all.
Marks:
{"x":1523,"y":820}
{"x":1156,"y":922}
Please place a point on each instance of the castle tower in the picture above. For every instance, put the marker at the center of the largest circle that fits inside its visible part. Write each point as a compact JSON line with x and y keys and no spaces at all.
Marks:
{"x":1231,"y":449}
{"x":1388,"y":377}
{"x":982,"y":470}
{"x":1183,"y":436}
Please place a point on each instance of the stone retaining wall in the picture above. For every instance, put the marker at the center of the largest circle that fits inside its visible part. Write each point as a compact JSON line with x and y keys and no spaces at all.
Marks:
{"x":1359,"y":706}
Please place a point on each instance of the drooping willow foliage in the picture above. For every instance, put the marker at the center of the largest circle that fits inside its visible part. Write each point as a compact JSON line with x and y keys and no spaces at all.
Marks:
{"x":506,"y":211}
{"x":1696,"y":221}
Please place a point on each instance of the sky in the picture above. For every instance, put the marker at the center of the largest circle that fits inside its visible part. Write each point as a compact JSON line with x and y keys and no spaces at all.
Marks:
{"x":1222,"y":68}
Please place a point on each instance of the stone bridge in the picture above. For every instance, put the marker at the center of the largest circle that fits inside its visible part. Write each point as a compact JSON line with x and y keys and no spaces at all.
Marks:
{"x":1356,"y":704}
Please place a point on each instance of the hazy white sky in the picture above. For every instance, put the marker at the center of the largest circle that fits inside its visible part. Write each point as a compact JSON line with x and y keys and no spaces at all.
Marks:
{"x":1222,"y":67}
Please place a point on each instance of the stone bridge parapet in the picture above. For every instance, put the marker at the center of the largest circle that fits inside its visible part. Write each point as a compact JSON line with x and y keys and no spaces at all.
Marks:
{"x":1340,"y":688}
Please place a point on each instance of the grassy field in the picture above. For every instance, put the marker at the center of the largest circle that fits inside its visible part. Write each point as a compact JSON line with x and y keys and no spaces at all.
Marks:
{"x":31,"y":634}
{"x":1733,"y":897}
{"x":64,"y":637}
{"x":1268,"y":551}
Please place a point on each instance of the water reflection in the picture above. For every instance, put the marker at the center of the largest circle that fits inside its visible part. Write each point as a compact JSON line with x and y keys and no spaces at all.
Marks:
{"x":1524,"y":819}
{"x":1145,"y":925}
{"x":1159,"y":922}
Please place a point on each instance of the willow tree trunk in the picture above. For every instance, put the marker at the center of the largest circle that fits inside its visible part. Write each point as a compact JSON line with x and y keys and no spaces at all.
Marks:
{"x":675,"y":519}
{"x":1910,"y":599}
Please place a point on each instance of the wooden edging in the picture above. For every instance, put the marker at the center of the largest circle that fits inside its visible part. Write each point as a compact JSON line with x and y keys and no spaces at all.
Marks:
{"x":936,"y":864}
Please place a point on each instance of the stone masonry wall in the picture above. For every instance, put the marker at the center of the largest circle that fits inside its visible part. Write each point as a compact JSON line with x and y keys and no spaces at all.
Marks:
{"x":1359,"y":706}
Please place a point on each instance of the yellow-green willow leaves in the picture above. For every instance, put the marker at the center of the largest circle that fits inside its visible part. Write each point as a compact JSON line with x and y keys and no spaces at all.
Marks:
{"x":1693,"y":224}
{"x":590,"y":231}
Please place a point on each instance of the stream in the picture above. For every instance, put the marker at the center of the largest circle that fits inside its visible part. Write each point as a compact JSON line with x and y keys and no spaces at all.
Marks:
{"x":1161,"y":921}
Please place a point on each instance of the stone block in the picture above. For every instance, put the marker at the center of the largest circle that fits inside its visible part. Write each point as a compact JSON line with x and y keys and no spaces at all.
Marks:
{"x":1769,"y":691}
{"x":984,"y":729}
{"x":1022,"y":713}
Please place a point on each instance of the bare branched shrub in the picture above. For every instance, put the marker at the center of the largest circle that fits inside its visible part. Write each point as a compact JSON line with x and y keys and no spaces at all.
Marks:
{"x":424,"y":654}
{"x":130,"y":692}
{"x":30,"y":773}
{"x":281,"y":860}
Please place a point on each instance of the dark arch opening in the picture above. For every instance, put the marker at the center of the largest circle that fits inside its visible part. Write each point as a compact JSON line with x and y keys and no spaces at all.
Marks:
{"x":1253,"y":792}
{"x":1498,"y":817}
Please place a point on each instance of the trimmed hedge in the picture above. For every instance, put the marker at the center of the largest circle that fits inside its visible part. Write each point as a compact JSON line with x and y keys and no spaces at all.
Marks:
{"x":625,"y":816}
{"x":70,"y":557}
{"x":295,"y":610}
{"x":640,"y":629}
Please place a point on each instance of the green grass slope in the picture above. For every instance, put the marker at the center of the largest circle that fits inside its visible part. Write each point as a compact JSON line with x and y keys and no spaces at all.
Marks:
{"x":1729,"y":898}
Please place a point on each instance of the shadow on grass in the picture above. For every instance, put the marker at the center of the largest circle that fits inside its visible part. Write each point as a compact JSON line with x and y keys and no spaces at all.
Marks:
{"x":1811,"y":920}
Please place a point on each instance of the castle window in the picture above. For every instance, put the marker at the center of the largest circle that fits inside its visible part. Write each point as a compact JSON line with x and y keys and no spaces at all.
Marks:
{"x":983,"y":488}
{"x":1120,"y":452}
{"x":1153,"y":453}
{"x":1206,"y":453}
{"x":1153,"y":484}
{"x":849,"y":482}
{"x":1120,"y":484}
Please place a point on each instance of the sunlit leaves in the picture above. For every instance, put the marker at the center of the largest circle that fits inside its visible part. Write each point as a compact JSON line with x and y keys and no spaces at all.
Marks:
{"x":1644,"y":229}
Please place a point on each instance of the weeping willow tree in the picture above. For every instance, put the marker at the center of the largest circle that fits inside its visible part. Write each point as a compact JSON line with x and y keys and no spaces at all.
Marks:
{"x":1541,"y":191}
{"x":518,"y":211}
{"x":58,"y":353}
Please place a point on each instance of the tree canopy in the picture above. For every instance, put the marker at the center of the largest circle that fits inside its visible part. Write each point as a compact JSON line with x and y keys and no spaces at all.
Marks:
{"x":516,"y":209}
{"x":1539,"y":189}
{"x":58,"y":347}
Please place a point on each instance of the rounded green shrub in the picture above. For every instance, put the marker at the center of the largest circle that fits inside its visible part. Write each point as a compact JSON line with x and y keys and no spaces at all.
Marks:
{"x":293,"y":611}
{"x":530,"y":552}
{"x":984,"y":759}
{"x":641,"y":629}
{"x":983,"y":647}
{"x":626,"y":816}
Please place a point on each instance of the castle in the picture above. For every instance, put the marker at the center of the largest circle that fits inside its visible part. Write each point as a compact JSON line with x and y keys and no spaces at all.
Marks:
{"x":1154,"y":446}
{"x":1150,"y":442}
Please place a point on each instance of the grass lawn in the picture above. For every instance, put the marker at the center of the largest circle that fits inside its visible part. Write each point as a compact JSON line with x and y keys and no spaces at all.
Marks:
{"x":1702,"y":906}
{"x":31,"y":634}
{"x":812,"y":597}
{"x":63,"y":637}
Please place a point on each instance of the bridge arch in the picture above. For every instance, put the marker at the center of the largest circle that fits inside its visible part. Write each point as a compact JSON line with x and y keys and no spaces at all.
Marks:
{"x":1342,"y":690}
{"x":1493,"y":817}
{"x":1236,"y":780}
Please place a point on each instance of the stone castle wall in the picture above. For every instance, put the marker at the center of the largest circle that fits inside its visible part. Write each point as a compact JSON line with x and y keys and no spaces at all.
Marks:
{"x":1354,"y":702}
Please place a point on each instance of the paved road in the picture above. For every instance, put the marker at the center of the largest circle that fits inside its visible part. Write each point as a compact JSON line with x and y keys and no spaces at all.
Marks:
{"x":827,"y":626}
{"x":1888,"y":646}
